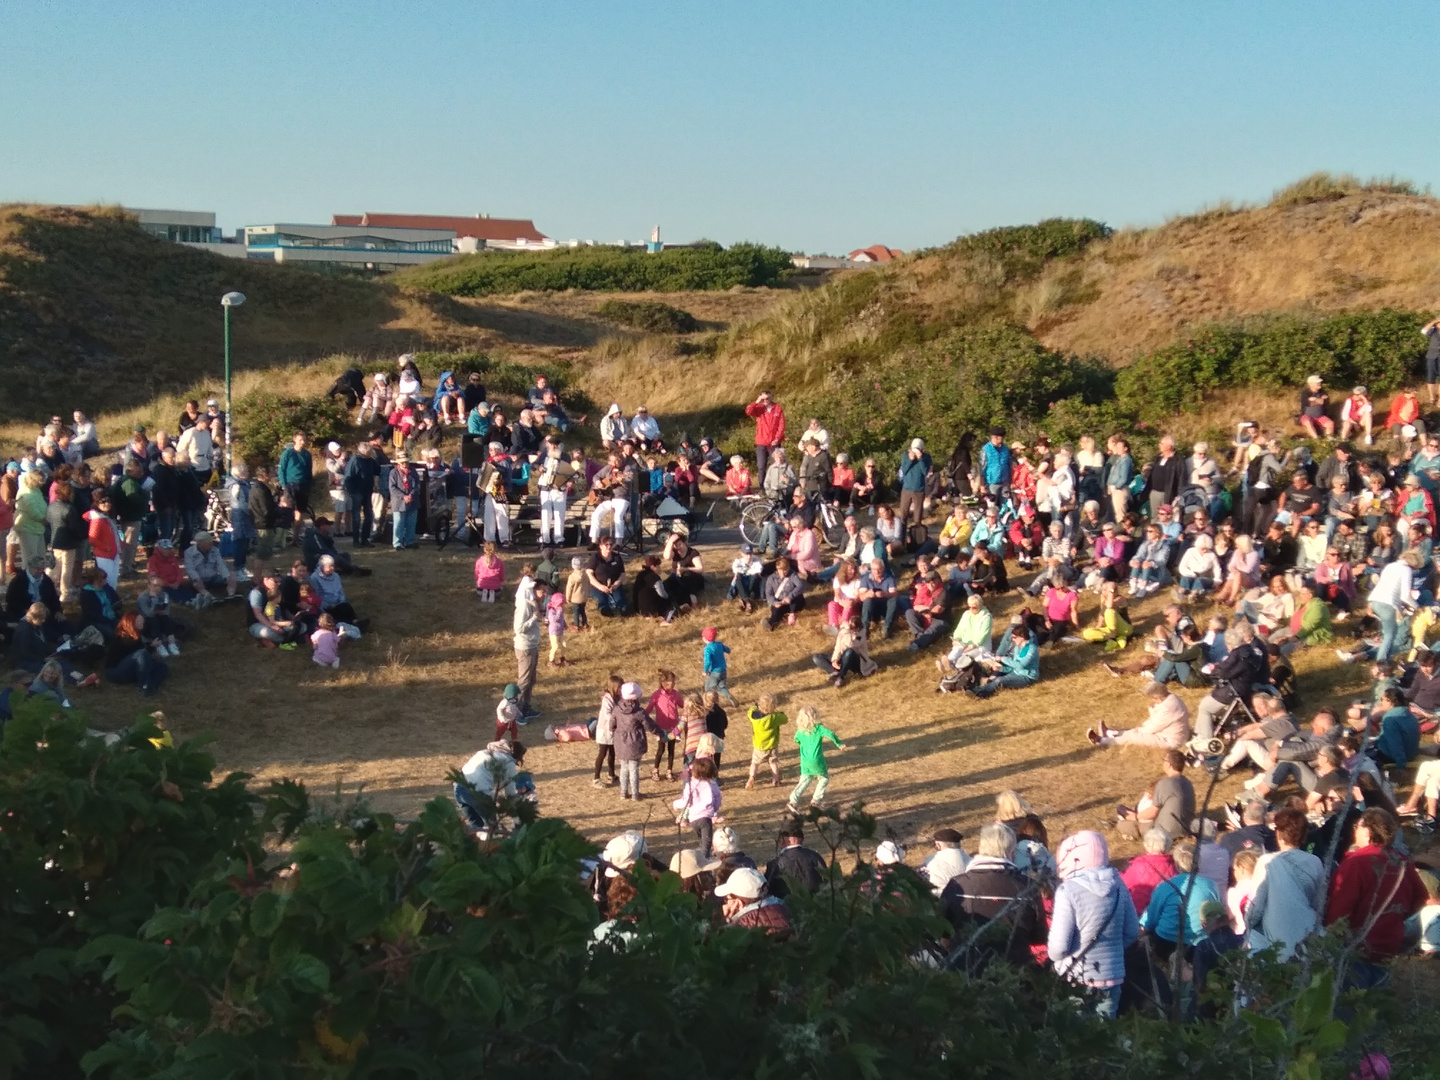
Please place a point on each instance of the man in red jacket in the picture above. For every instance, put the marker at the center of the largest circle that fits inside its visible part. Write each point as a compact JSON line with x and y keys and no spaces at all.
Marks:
{"x":1376,"y":888}
{"x":769,"y":419}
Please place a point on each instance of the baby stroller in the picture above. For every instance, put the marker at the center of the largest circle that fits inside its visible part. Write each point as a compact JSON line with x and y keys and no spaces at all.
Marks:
{"x":1188,"y":501}
{"x":1237,"y":714}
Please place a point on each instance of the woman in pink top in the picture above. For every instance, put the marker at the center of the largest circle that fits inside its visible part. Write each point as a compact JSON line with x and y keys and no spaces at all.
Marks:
{"x":804,"y":549}
{"x":1062,"y":613}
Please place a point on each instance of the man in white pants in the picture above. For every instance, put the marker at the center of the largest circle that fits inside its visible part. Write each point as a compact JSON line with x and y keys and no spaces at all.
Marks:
{"x":613,"y":486}
{"x":1257,"y":741}
{"x":555,"y":473}
{"x":493,"y":478}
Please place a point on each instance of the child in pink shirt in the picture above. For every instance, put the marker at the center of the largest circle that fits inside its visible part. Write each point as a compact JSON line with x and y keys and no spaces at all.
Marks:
{"x":699,"y":803}
{"x":489,"y":574}
{"x":664,"y":709}
{"x":326,"y":643}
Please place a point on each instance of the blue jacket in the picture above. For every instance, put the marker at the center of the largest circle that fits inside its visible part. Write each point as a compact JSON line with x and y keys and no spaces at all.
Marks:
{"x":1119,"y":471}
{"x":1162,"y":915}
{"x":1023,"y":661}
{"x":1093,"y":924}
{"x":715,"y":656}
{"x":913,"y":472}
{"x":478,"y":423}
{"x":361,"y":472}
{"x":1399,"y":738}
{"x":442,"y":390}
{"x":995,"y":463}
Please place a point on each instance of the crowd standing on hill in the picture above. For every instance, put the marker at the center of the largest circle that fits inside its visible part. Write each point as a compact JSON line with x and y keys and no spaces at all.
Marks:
{"x":1272,"y":548}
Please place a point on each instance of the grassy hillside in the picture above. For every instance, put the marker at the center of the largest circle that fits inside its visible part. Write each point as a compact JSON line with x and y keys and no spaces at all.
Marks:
{"x":97,"y":314}
{"x":1332,"y":276}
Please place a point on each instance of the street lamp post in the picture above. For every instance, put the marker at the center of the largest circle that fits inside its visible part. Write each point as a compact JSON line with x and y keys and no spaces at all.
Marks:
{"x":229,"y":300}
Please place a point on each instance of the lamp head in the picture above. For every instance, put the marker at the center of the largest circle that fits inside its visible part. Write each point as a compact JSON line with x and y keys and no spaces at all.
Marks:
{"x":232,"y":299}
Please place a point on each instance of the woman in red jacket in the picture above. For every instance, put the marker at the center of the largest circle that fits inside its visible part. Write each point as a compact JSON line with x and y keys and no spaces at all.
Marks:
{"x":104,"y":537}
{"x":1375,"y":888}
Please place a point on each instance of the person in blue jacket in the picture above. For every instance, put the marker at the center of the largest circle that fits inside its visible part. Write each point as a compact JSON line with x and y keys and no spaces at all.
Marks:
{"x":1399,"y":738}
{"x":1162,"y":917}
{"x":449,"y":399}
{"x":995,"y":464}
{"x":914,"y":472}
{"x":1021,"y":668}
{"x":362,"y":472}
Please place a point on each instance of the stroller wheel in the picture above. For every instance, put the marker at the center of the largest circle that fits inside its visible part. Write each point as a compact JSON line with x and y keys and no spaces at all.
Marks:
{"x":1214,"y":747}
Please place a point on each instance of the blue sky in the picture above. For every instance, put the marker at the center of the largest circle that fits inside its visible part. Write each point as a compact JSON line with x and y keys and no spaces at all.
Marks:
{"x":815,"y":126}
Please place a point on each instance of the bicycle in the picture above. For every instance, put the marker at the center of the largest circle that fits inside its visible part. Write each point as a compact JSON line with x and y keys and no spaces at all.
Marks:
{"x":761,"y":510}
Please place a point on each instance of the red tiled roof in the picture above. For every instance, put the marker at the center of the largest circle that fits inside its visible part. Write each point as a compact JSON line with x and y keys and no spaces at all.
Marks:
{"x":877,"y":253}
{"x":483,"y":228}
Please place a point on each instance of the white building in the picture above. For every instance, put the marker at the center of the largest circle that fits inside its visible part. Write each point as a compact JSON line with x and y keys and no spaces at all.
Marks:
{"x":368,"y":247}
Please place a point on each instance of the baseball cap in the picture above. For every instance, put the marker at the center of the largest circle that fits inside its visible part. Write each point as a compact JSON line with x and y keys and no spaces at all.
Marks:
{"x":745,"y":883}
{"x":708,"y":634}
{"x":623,"y":851}
{"x":888,"y":853}
{"x":512,"y":691}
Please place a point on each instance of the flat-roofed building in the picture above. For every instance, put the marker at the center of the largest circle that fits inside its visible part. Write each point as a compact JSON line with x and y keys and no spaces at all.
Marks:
{"x":366,"y":246}
{"x":178,"y":226}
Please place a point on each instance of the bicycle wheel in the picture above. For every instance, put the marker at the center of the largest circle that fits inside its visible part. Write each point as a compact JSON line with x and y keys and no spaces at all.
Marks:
{"x":833,"y":526}
{"x":753,"y":519}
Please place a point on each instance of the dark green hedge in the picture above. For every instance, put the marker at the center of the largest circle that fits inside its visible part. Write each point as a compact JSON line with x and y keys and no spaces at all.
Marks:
{"x":604,"y":269}
{"x":650,"y":316}
{"x":1380,"y":349}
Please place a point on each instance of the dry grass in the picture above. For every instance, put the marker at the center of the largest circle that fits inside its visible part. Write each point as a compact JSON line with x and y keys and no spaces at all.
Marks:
{"x":417,"y":696}
{"x":1363,"y":250}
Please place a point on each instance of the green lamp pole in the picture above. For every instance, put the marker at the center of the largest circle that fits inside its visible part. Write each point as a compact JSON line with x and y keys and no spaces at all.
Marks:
{"x":228,"y":301}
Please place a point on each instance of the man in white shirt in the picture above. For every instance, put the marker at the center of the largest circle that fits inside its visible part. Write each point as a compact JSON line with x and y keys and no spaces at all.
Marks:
{"x":196,"y":444}
{"x":644,"y":427}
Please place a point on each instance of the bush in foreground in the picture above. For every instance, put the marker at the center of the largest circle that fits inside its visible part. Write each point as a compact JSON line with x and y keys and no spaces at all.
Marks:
{"x":157,"y":925}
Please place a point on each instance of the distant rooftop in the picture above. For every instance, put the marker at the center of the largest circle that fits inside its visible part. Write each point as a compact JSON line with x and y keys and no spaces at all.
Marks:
{"x":491,"y":230}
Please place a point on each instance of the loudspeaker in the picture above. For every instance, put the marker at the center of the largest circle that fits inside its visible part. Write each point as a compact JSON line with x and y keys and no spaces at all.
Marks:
{"x":472,"y":451}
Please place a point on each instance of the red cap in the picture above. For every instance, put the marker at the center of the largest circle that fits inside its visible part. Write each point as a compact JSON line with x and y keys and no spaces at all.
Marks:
{"x":708,"y":634}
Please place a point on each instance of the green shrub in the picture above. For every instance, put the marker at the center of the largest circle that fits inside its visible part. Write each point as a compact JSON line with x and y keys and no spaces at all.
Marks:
{"x":965,"y":380}
{"x":603,"y":269}
{"x":1022,"y":250}
{"x":650,"y":316}
{"x":1377,"y":348}
{"x":265,"y":423}
{"x":96,"y":839}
